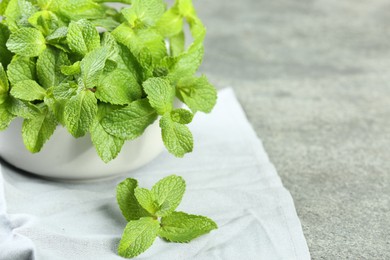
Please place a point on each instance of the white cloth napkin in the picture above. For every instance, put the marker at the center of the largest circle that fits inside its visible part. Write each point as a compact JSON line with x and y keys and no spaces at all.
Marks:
{"x":229,"y":179}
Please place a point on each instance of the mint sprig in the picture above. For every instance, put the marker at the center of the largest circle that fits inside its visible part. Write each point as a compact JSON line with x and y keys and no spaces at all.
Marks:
{"x":151,"y":213}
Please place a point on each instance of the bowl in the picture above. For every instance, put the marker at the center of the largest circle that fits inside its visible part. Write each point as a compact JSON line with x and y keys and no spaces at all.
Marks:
{"x":67,"y":158}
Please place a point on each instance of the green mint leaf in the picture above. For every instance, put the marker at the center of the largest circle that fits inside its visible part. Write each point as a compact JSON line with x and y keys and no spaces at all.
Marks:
{"x":5,"y":116}
{"x":49,"y":66}
{"x":64,"y":91}
{"x":56,"y":107}
{"x":3,"y":6}
{"x":177,"y":43}
{"x":143,"y":12}
{"x":138,"y":236}
{"x":79,"y":9}
{"x":92,"y":66}
{"x":21,"y":68}
{"x":138,"y":41}
{"x":71,"y":70}
{"x":110,"y":43}
{"x":182,"y":227}
{"x":170,"y":23}
{"x":58,"y":96}
{"x":128,"y":62}
{"x":27,"y":42}
{"x":108,"y":23}
{"x":4,"y":85}
{"x":181,"y":116}
{"x":79,"y":113}
{"x":5,"y":54}
{"x":146,"y":200}
{"x":83,"y":37}
{"x":186,"y":8}
{"x":45,"y":21}
{"x":168,"y":194}
{"x":38,"y":130}
{"x":58,"y":35}
{"x":197,"y":93}
{"x":17,"y":13}
{"x":186,"y":64}
{"x":106,"y":145}
{"x":127,"y":201}
{"x":160,"y":94}
{"x":21,"y":108}
{"x":177,"y":137}
{"x":123,"y":90}
{"x":28,"y":90}
{"x":130,"y":121}
{"x":52,"y":5}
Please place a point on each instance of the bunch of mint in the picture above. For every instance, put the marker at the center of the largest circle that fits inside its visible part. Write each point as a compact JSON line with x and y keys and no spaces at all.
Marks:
{"x":94,"y":69}
{"x":143,"y":208}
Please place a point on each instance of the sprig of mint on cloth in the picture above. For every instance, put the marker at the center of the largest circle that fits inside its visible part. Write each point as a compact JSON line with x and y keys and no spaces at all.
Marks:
{"x":151,"y":213}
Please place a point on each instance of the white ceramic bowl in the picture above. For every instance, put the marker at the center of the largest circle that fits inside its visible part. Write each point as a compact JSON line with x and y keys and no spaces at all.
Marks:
{"x":65,"y":157}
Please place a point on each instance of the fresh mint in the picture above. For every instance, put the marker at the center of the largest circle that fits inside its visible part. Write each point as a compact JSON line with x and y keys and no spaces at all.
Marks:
{"x":27,"y":42}
{"x":151,"y":213}
{"x":103,"y":72}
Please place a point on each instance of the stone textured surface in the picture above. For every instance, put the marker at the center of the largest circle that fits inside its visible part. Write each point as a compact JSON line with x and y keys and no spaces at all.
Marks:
{"x":313,"y":77}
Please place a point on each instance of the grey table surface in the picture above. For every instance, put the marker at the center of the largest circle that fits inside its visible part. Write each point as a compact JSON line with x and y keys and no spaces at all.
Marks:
{"x":313,"y":77}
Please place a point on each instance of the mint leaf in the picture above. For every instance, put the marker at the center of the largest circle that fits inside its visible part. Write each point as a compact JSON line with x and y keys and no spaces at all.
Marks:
{"x":106,"y":145}
{"x":197,"y":93}
{"x":177,"y":137}
{"x":170,"y":23}
{"x":82,"y":37}
{"x":28,"y":90}
{"x":49,"y":66}
{"x":110,"y":43}
{"x":57,"y":98}
{"x":27,"y":42}
{"x":48,"y":4}
{"x":181,"y":116}
{"x":138,"y":41}
{"x":4,"y":85}
{"x":37,"y":131}
{"x":45,"y":21}
{"x":131,"y":121}
{"x":161,"y":201}
{"x":138,"y":236}
{"x":168,"y":192}
{"x":3,"y":6}
{"x":182,"y":227}
{"x":186,"y":64}
{"x":123,"y":90}
{"x":5,"y":54}
{"x":58,"y":35}
{"x":128,"y":62}
{"x":160,"y":94}
{"x":177,"y":43}
{"x":5,"y":116}
{"x":64,"y":91}
{"x":79,"y":113}
{"x":21,"y":68}
{"x":79,"y":9}
{"x":92,"y":66}
{"x":17,"y":13}
{"x":186,"y":8}
{"x":143,"y":12}
{"x":127,"y":201}
{"x":71,"y":70}
{"x":21,"y":108}
{"x":146,"y":200}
